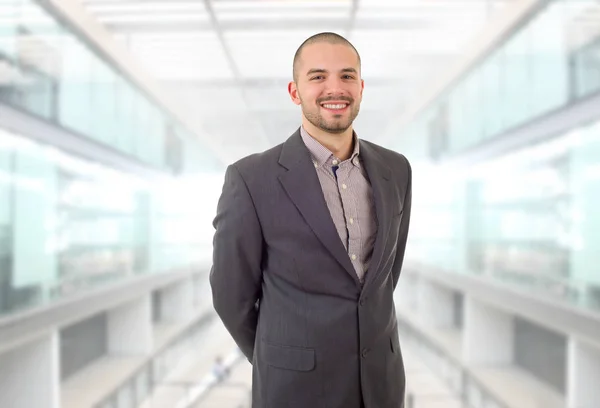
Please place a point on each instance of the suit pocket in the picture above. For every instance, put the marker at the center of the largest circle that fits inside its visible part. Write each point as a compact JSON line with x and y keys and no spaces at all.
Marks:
{"x":289,"y":357}
{"x":292,"y":379}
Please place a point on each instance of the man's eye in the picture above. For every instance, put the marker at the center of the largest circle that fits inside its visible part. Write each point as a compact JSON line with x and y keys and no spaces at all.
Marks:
{"x":317,"y":77}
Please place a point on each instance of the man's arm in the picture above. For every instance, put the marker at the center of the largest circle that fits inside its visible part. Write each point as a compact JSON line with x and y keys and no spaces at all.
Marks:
{"x":404,"y":224}
{"x":236,"y":274}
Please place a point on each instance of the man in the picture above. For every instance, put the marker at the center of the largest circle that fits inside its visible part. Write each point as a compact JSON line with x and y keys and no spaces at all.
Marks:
{"x":220,"y":370}
{"x":309,"y":243}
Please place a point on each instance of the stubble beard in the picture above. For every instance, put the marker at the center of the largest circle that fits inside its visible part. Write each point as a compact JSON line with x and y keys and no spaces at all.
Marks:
{"x":334,"y":126}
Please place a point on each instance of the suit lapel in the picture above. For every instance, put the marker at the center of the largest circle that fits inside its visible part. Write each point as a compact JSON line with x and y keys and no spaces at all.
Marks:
{"x":379,"y":176}
{"x":304,"y":189}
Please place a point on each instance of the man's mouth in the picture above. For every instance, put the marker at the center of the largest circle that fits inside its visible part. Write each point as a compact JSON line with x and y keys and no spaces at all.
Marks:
{"x":335,"y":106}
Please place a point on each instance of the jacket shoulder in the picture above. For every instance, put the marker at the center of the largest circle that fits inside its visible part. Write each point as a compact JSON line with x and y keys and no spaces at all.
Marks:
{"x":258,"y":163}
{"x":391,"y":157}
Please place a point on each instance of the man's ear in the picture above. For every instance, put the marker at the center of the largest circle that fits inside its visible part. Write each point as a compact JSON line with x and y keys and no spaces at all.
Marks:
{"x":293,"y":91}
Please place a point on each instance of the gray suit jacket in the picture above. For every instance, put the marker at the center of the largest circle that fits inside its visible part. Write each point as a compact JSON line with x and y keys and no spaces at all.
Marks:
{"x":286,"y":290}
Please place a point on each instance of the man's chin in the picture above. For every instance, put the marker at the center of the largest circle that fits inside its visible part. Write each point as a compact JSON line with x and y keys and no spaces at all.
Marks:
{"x":335,"y":127}
{"x":336,"y":130}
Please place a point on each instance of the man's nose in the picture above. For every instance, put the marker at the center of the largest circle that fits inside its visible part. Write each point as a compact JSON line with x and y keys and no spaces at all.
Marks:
{"x":335,"y":86}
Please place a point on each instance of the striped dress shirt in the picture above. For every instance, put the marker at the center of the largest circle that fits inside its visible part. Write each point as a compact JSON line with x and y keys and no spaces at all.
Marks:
{"x":349,"y":198}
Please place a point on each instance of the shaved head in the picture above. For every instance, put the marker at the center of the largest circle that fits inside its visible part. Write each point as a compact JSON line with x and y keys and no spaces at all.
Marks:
{"x":327,"y":37}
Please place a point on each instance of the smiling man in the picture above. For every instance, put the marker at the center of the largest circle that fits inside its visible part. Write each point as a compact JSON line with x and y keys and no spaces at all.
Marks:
{"x":308,"y":249}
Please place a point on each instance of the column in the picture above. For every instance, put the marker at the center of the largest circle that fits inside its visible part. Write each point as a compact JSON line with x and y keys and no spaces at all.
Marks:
{"x":130,"y":328}
{"x":202,"y":296}
{"x":488,"y":336}
{"x":177,"y":301}
{"x":405,"y":295}
{"x":30,"y":375}
{"x":435,"y":304}
{"x":583,"y":374}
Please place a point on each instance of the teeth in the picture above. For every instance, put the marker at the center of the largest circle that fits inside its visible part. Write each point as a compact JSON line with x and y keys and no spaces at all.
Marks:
{"x":339,"y":106}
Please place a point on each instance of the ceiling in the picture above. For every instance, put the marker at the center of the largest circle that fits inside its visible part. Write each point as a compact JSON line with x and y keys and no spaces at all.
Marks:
{"x":229,"y":61}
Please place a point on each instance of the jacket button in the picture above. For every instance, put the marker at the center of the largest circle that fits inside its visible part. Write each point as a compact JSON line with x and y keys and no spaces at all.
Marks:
{"x":365,"y":352}
{"x":361,"y":302}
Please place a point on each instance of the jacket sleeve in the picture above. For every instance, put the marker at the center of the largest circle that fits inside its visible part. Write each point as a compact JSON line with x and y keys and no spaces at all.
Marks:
{"x":404,"y":226}
{"x":236,"y":273}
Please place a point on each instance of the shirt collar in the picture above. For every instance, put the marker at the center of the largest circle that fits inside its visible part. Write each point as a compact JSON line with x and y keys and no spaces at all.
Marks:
{"x":320,"y":154}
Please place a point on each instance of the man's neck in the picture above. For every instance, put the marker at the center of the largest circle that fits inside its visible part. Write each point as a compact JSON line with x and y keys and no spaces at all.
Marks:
{"x":340,"y":144}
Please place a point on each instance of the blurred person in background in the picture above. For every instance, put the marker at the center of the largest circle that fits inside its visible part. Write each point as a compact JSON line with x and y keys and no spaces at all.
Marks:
{"x":308,"y":249}
{"x":220,"y":371}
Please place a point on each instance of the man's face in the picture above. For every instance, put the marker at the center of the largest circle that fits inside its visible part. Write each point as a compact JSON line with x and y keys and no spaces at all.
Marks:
{"x":328,"y":86}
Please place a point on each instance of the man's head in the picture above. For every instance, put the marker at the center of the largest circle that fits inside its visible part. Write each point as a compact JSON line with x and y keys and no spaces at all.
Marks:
{"x":327,"y":82}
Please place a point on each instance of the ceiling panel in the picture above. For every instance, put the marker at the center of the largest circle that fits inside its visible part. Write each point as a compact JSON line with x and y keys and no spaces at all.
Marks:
{"x":122,"y":7}
{"x":181,"y":56}
{"x":274,"y":15}
{"x":283,"y":15}
{"x":430,"y":4}
{"x":268,"y":6}
{"x":128,"y":11}
{"x":406,"y":54}
{"x":260,"y":54}
{"x":422,"y":41}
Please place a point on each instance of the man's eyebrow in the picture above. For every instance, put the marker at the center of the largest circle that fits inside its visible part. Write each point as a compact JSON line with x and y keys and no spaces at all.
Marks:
{"x":316,"y":71}
{"x":324,"y":71}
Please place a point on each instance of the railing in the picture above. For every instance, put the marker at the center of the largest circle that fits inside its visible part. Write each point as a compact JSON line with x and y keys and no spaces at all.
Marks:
{"x":139,"y":385}
{"x":468,"y":389}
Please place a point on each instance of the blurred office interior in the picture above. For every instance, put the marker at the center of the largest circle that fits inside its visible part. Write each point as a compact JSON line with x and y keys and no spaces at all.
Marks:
{"x":118,"y":119}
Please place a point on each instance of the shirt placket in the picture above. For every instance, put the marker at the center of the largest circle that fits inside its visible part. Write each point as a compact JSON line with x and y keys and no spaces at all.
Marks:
{"x":350,"y":216}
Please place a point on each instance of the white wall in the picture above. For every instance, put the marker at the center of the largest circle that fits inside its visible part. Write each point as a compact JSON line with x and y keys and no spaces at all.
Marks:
{"x":488,"y":336}
{"x":130,"y":328}
{"x":583,"y":375}
{"x":30,"y":375}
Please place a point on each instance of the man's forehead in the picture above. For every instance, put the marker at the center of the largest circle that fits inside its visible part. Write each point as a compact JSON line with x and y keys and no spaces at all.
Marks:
{"x":321,"y":59}
{"x":326,"y":47}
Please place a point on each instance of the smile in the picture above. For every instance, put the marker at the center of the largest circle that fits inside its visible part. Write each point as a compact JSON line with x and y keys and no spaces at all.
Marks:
{"x":335,"y":106}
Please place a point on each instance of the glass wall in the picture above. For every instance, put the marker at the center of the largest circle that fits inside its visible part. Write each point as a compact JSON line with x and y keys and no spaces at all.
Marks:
{"x":586,"y":64}
{"x":529,"y":219}
{"x":47,"y":70}
{"x":68,"y":224}
{"x":552,"y":60}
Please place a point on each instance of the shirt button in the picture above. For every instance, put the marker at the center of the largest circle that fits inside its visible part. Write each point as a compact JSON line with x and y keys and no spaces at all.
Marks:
{"x":344,"y":186}
{"x":353,"y":257}
{"x":351,"y":220}
{"x":335,"y":162}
